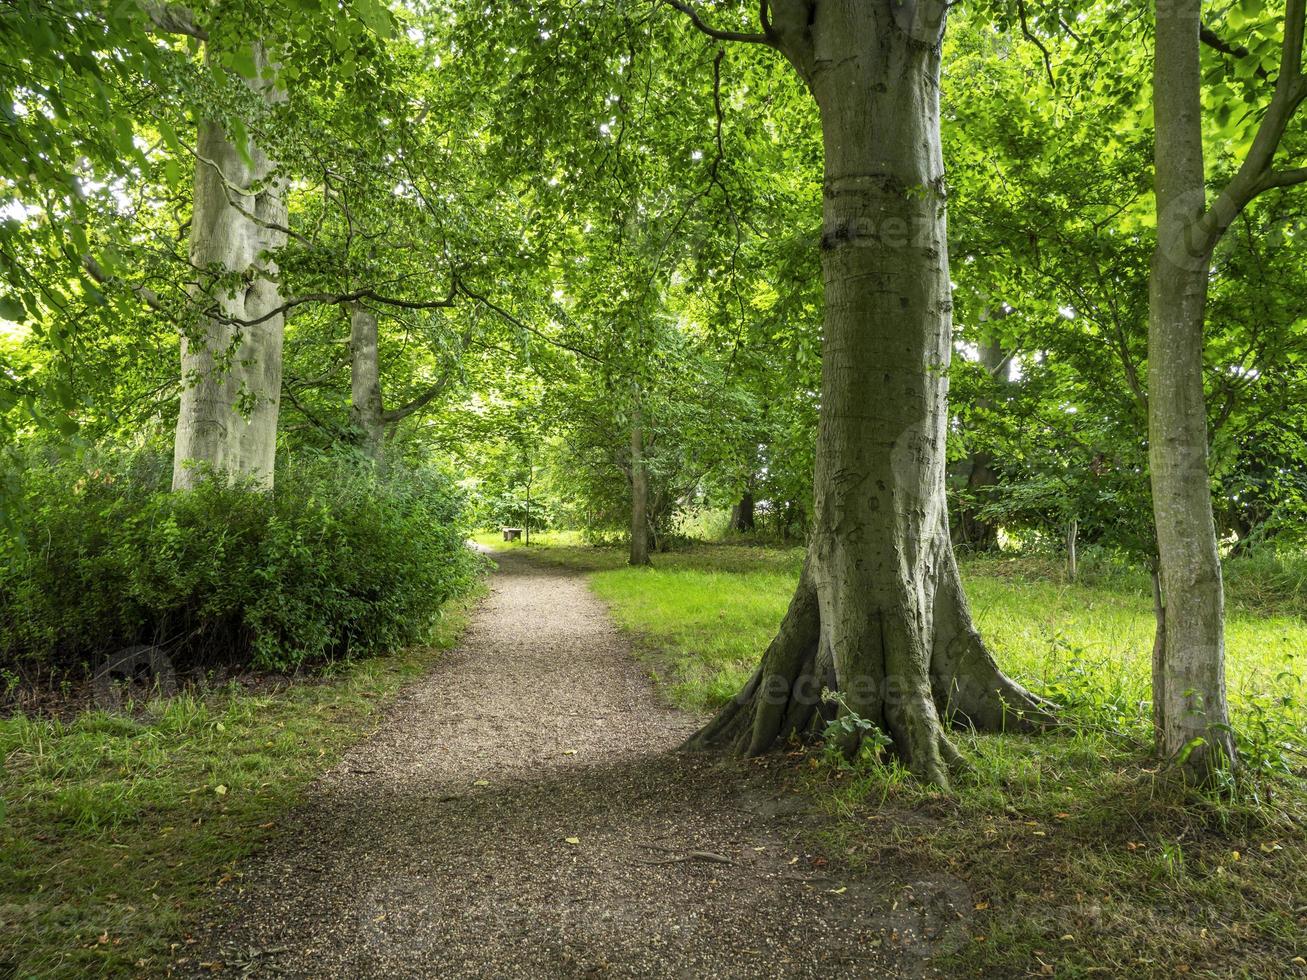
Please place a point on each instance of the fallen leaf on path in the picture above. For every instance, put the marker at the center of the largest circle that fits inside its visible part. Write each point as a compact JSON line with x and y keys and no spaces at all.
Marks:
{"x":572,"y":840}
{"x":482,"y":782}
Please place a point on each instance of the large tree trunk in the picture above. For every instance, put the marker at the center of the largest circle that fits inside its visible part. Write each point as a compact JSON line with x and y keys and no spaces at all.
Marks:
{"x":639,"y":492}
{"x":879,"y":612}
{"x":1189,"y":659}
{"x":742,"y":514}
{"x":231,"y":371}
{"x":367,"y":412}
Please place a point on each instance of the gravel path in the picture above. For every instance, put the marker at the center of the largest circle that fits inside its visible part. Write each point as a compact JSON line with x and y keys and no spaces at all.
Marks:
{"x":521,"y":813}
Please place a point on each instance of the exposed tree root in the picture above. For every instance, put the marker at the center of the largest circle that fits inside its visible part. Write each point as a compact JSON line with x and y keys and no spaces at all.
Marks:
{"x":961,"y":684}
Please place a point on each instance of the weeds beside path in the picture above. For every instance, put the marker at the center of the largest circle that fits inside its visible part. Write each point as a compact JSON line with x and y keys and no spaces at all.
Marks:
{"x":1081,"y":861}
{"x":115,"y":827}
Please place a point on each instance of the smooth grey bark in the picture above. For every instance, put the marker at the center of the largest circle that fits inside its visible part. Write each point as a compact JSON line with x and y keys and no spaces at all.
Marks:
{"x":367,"y":412}
{"x":879,"y":612}
{"x":1189,"y":698}
{"x":372,"y":424}
{"x":231,"y":357}
{"x":639,"y":490}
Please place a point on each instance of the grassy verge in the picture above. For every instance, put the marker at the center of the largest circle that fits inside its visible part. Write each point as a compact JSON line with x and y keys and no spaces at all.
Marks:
{"x":116,"y":826}
{"x":1080,"y":861}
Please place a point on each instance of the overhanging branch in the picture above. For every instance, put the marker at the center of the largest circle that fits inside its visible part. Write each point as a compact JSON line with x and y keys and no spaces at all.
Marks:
{"x":703,"y":28}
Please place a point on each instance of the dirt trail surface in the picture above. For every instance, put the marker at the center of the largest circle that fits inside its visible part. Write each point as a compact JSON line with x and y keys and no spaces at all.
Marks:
{"x":521,"y":812}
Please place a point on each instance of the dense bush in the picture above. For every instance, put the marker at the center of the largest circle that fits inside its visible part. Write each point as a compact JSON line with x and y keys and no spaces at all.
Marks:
{"x":336,"y":562}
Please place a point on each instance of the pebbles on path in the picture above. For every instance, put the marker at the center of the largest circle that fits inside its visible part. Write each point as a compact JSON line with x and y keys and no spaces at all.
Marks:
{"x":522,"y":812}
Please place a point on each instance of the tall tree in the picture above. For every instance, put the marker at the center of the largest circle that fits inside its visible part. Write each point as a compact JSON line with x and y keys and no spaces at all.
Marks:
{"x":231,"y":355}
{"x":1189,"y":698}
{"x":879,"y":612}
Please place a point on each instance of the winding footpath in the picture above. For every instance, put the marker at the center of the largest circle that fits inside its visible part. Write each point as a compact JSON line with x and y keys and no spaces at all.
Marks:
{"x":521,"y":812}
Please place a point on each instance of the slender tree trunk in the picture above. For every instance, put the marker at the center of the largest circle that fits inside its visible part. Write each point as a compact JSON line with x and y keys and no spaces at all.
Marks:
{"x":1189,"y":664}
{"x":879,"y":611}
{"x":231,"y":373}
{"x":1072,"y":534}
{"x":367,"y":411}
{"x":973,"y":531}
{"x":639,"y":492}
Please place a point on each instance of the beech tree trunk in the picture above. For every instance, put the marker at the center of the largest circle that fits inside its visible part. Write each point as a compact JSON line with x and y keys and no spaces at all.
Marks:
{"x":742,"y":514}
{"x":367,"y":411}
{"x":639,"y":493}
{"x":231,"y":357}
{"x":879,"y":612}
{"x":1189,"y":655}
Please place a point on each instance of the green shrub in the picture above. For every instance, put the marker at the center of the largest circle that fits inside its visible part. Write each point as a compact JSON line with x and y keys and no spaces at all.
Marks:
{"x":338,"y":561}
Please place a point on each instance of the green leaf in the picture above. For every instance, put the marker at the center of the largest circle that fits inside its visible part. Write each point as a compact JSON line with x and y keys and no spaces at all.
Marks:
{"x":12,"y":309}
{"x":375,"y":16}
{"x":243,"y":61}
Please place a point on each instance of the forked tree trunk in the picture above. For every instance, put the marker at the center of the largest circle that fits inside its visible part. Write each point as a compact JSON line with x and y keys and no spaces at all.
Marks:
{"x":639,"y":492}
{"x":1189,"y":653}
{"x":367,"y":411}
{"x":879,"y":612}
{"x":231,"y":371}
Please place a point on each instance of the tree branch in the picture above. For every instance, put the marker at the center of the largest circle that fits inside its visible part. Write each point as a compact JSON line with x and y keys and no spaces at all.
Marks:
{"x":1217,"y":43}
{"x":1043,"y":49}
{"x":504,"y":314}
{"x":421,"y":401}
{"x":717,"y":35}
{"x":332,"y":299}
{"x":1255,"y":174}
{"x":1282,"y":178}
{"x":96,"y":272}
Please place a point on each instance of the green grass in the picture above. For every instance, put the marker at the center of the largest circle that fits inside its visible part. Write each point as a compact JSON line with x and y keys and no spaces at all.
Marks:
{"x":544,"y":539}
{"x":116,"y":827}
{"x":704,"y":615}
{"x":1082,"y":860}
